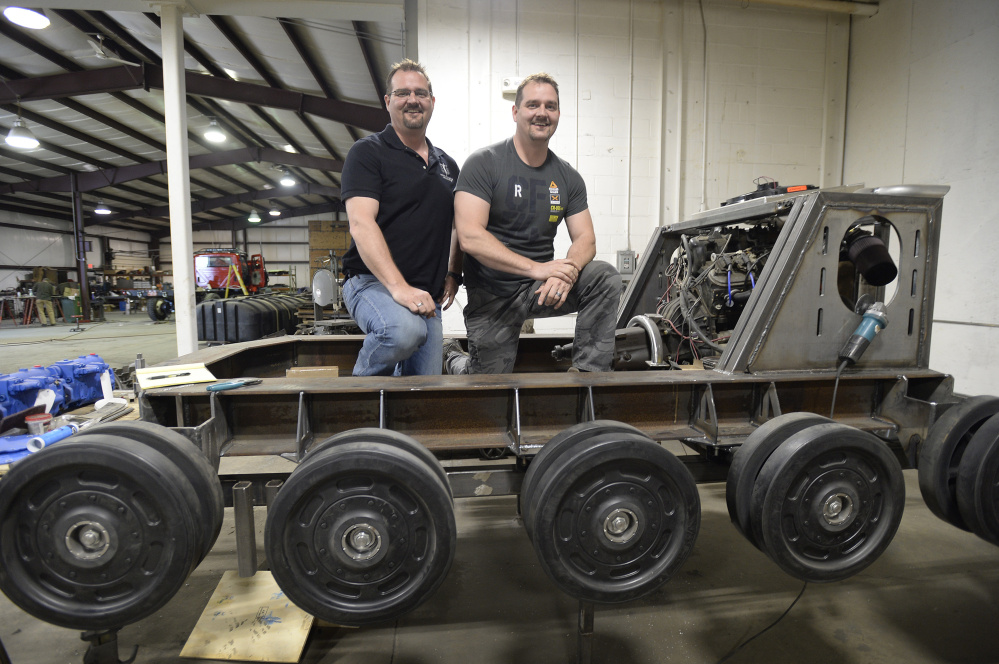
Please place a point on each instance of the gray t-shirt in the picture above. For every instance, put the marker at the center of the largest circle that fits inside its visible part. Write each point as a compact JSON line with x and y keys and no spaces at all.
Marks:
{"x":526,"y":206}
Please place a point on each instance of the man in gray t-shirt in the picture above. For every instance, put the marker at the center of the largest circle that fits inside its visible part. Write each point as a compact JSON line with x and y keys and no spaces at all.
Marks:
{"x":509,"y":201}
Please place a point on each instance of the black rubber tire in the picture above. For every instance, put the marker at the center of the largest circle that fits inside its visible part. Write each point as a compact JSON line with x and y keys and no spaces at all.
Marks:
{"x":749,"y":459}
{"x":978,"y":482}
{"x":815,"y":469}
{"x":553,"y":449}
{"x":941,"y":452}
{"x":354,"y":485}
{"x":158,"y":308}
{"x":193,"y":464}
{"x":620,"y":474}
{"x":126,"y":489}
{"x":388,"y":437}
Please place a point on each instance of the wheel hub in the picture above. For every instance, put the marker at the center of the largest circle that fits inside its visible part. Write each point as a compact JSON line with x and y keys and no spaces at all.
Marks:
{"x":621,"y":525}
{"x":361,"y":541}
{"x":87,"y":540}
{"x":838,"y":509}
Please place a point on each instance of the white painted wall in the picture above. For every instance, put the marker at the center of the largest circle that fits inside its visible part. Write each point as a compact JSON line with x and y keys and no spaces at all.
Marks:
{"x":631,"y":77}
{"x":39,"y":244}
{"x":923,"y":100}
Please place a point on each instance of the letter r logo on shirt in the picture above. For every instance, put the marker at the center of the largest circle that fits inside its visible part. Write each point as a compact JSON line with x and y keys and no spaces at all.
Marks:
{"x":517,"y":191}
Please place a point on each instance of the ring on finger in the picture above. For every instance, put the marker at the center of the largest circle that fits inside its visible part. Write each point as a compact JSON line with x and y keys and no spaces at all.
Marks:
{"x":558,"y":294}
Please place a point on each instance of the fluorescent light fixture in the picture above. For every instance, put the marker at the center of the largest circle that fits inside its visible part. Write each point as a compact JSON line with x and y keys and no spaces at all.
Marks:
{"x":34,"y":19}
{"x":21,"y":137}
{"x":214,"y":133}
{"x":286,"y":179}
{"x":274,"y":212}
{"x":101,"y":208}
{"x":254,"y":218}
{"x":288,"y":147}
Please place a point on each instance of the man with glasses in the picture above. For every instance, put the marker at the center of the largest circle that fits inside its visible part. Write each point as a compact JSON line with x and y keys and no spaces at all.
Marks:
{"x":403,"y":266}
{"x":510,"y":201}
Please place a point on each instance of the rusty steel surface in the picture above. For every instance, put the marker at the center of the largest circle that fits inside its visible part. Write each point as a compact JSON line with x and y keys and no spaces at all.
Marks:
{"x":517,"y":411}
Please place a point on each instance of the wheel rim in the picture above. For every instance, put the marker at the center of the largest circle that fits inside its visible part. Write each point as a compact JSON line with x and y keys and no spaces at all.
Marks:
{"x":362,"y":532}
{"x":618,"y":516}
{"x":833,"y":501}
{"x":94,"y":536}
{"x":550,"y":453}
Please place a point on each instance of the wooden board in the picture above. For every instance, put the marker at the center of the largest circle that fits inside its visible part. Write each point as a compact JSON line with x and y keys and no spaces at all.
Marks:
{"x":249,"y":619}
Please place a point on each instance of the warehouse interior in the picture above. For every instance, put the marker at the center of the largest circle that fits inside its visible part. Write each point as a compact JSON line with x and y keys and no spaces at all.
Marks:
{"x":669,"y":107}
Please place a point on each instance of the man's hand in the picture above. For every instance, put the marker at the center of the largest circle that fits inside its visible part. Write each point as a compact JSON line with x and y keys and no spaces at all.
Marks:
{"x":416,"y":300}
{"x":450,"y":290}
{"x":560,"y":268}
{"x":553,"y":292}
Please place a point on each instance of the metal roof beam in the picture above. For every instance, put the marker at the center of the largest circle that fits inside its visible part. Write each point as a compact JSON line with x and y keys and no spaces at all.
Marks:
{"x":148,"y":76}
{"x":114,"y":176}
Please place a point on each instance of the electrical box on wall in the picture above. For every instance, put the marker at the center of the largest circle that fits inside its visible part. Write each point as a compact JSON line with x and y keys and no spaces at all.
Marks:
{"x":509,"y":85}
{"x":626,"y":261}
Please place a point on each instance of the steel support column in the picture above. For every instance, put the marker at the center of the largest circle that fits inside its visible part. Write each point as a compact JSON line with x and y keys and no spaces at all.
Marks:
{"x":178,"y":176}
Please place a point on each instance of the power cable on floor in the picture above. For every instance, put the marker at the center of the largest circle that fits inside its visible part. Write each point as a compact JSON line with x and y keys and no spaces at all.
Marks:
{"x":745,"y":643}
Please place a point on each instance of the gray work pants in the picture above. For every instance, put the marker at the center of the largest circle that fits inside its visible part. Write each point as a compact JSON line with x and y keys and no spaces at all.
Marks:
{"x":493,"y":321}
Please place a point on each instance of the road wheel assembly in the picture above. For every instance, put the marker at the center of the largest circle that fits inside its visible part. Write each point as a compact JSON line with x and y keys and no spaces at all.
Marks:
{"x":550,"y":454}
{"x":978,"y":482}
{"x":940,"y":455}
{"x":96,"y":532}
{"x":827,"y":502}
{"x":749,"y":459}
{"x":363,"y":530}
{"x":613,"y":515}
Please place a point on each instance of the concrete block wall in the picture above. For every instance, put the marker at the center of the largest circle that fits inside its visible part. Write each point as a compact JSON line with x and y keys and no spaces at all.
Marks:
{"x":923,"y":97}
{"x":767,"y":97}
{"x":631,"y":76}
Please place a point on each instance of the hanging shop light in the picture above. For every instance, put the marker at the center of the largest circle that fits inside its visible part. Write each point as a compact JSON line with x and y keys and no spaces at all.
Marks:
{"x":101,"y":208}
{"x":33,"y":19}
{"x":274,"y":212}
{"x":254,"y":218}
{"x":286,"y":179}
{"x":21,"y":137}
{"x":214,"y":133}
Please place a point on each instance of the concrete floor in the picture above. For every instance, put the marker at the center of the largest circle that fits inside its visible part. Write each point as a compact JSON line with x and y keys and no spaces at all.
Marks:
{"x":116,"y":340}
{"x":932,"y":597}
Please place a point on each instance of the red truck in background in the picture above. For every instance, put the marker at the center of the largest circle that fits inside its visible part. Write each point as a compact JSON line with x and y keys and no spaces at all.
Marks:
{"x":216,"y":271}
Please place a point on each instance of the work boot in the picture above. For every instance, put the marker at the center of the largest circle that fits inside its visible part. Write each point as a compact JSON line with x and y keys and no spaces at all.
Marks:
{"x":456,"y":360}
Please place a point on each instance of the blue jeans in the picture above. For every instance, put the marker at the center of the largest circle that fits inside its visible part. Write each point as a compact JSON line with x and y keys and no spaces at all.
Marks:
{"x":398,"y":342}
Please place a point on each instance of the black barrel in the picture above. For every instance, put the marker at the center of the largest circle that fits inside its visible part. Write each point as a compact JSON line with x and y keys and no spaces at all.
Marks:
{"x":248,"y":318}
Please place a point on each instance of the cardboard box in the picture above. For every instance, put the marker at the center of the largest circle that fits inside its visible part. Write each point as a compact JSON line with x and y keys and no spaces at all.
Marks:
{"x":313,"y":372}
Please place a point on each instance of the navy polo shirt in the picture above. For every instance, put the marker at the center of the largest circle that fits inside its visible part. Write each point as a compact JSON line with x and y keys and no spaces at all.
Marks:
{"x":415,"y":205}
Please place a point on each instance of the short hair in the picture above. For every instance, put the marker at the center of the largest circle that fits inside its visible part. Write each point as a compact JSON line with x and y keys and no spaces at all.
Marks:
{"x":406,"y":65}
{"x":540,"y":77}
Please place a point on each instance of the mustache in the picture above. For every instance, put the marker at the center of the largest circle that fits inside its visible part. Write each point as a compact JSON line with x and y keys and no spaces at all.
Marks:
{"x":413,"y":107}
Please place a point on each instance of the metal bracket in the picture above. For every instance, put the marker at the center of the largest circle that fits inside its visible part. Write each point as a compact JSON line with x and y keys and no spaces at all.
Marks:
{"x":585,"y":411}
{"x":514,"y":421}
{"x":303,"y":431}
{"x":706,"y":415}
{"x":103,"y":648}
{"x":768,"y":406}
{"x":913,"y":417}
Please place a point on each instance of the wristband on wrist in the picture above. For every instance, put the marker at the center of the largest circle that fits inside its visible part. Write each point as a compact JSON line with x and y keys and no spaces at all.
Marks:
{"x":455,"y":276}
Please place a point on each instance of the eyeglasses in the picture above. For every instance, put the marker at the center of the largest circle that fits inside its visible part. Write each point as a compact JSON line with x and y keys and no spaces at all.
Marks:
{"x":404,"y":94}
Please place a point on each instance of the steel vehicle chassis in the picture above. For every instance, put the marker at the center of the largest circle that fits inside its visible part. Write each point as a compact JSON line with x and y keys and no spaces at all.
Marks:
{"x":810,"y":435}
